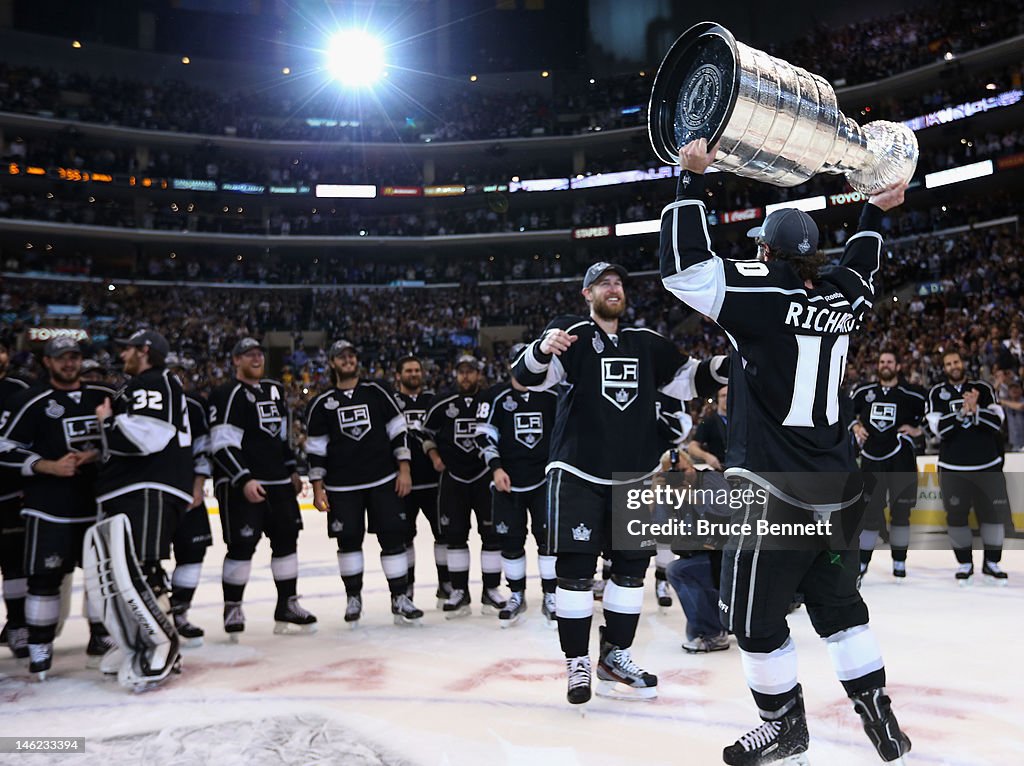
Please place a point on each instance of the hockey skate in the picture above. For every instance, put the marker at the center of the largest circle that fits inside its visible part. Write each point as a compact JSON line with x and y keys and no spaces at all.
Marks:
{"x":292,"y":619}
{"x":234,"y":620}
{"x":599,"y":586}
{"x":860,"y":575}
{"x":405,"y":611}
{"x":353,"y":610}
{"x":492,"y":601}
{"x":899,"y":570}
{"x":964,"y":575}
{"x":875,"y":710}
{"x":514,"y":609}
{"x":444,"y":591}
{"x":619,"y":677}
{"x":40,"y":660}
{"x":993,"y":574}
{"x":17,"y":641}
{"x":579,"y":680}
{"x":100,"y":643}
{"x":782,"y":739}
{"x":190,"y":635}
{"x":457,"y":605}
{"x":111,"y":662}
{"x":548,"y":610}
{"x":661,"y":590}
{"x":706,"y":644}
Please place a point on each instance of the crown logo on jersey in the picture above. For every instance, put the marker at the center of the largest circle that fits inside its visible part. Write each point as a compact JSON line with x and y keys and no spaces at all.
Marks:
{"x":686,"y":180}
{"x":621,"y":395}
{"x":597,"y":343}
{"x":332,"y":404}
{"x":581,"y":534}
{"x":356,"y":431}
{"x":54,"y":409}
{"x":443,"y":521}
{"x":501,"y":528}
{"x":337,"y":526}
{"x":510,"y":404}
{"x":247,"y":531}
{"x":954,"y":500}
{"x":53,"y":561}
{"x":452,"y":410}
{"x":804,"y":247}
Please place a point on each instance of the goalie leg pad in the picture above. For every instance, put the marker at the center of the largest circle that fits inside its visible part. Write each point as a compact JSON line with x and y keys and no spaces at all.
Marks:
{"x":129,"y":609}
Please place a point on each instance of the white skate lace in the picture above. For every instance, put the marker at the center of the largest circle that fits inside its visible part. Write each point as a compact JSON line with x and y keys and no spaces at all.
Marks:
{"x":456,"y":597}
{"x":622,"y":660}
{"x":579,"y":671}
{"x":403,"y":604}
{"x":295,"y":609}
{"x":993,"y":567}
{"x":549,"y":602}
{"x":355,"y":604}
{"x":39,"y":652}
{"x":763,"y":735}
{"x":234,"y":616}
{"x":964,"y":568}
{"x":495,"y":595}
{"x":514,"y":601}
{"x":661,"y":588}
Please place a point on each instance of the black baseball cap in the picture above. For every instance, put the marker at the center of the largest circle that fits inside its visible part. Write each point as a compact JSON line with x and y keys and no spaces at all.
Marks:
{"x":594,"y":272}
{"x":340,"y":346}
{"x":62,"y":344}
{"x":245,"y":345}
{"x":91,"y":365}
{"x":789,"y":231}
{"x":158,"y":346}
{"x":470,"y":360}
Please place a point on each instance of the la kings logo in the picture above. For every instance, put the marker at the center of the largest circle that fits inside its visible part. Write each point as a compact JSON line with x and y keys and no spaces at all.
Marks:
{"x":620,"y":381}
{"x":81,"y":433}
{"x":882,"y":415}
{"x":269,"y":417}
{"x":529,"y":428}
{"x":465,"y":434}
{"x":354,"y":421}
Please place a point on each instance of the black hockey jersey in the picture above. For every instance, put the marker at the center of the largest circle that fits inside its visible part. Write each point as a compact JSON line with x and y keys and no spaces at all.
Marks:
{"x":249,"y":430}
{"x":789,"y":343}
{"x":415,"y":409}
{"x":966,"y":443}
{"x":355,"y":437}
{"x":674,"y":422}
{"x":199,"y":420}
{"x":882,"y":410}
{"x":607,"y":425}
{"x":514,"y":432}
{"x":450,"y":427}
{"x":44,"y":423}
{"x":149,"y":439}
{"x":10,"y":478}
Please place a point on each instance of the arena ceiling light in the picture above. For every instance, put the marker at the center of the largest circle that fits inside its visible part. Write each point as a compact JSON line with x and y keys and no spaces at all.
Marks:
{"x":355,"y":58}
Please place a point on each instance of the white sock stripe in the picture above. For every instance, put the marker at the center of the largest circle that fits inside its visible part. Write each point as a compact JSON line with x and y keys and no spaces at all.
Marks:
{"x":458,"y":559}
{"x":16,"y":588}
{"x":186,"y":575}
{"x":395,"y":565}
{"x":42,"y":610}
{"x":490,"y":562}
{"x":546,"y":565}
{"x":622,"y":600}
{"x":350,"y":563}
{"x":772,"y":672}
{"x":285,"y":567}
{"x":515,"y":569}
{"x":440,"y":554}
{"x":664,"y":557}
{"x":236,"y":572}
{"x":574,"y":604}
{"x":854,"y":652}
{"x":410,"y":556}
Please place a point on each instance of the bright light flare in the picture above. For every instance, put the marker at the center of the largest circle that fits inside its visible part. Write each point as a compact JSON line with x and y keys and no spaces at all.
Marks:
{"x":355,"y":58}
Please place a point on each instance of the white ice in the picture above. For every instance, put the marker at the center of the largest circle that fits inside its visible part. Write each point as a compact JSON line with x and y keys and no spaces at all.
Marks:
{"x":467,"y":693}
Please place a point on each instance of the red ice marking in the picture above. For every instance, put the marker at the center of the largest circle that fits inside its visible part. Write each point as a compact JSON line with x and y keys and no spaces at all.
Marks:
{"x":511,"y":669}
{"x":193,"y":668}
{"x":685,"y":677}
{"x":360,"y":674}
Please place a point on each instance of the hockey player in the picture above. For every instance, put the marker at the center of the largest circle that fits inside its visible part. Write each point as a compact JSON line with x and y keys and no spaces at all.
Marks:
{"x":50,"y":433}
{"x":12,"y":527}
{"x":414,"y":401}
{"x":514,"y":433}
{"x":789,"y":324}
{"x":615,"y":373}
{"x":256,"y":486}
{"x":965,"y":416}
{"x":359,"y":466}
{"x":888,"y":416}
{"x":193,"y":535}
{"x":450,"y":442}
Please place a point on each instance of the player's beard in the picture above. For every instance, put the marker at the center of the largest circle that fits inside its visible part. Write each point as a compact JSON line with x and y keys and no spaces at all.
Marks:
{"x":956,"y":377}
{"x":887,"y":378}
{"x":601,"y":308}
{"x":65,"y":379}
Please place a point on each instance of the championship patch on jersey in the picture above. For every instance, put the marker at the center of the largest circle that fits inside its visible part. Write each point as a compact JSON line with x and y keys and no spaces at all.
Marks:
{"x":465,"y":434}
{"x":270,"y":418}
{"x":882,"y":415}
{"x":54,"y":409}
{"x":82,"y":433}
{"x":620,"y":381}
{"x":529,"y":428}
{"x":354,"y":421}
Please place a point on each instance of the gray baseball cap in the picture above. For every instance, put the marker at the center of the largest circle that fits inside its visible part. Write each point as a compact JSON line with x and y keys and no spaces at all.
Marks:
{"x":789,"y":231}
{"x":245,"y":345}
{"x":339,"y":346}
{"x":470,"y":360}
{"x":594,"y":272}
{"x":62,"y":344}
{"x":158,"y":346}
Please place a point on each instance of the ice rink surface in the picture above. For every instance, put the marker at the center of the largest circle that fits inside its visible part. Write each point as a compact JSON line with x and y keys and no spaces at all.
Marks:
{"x":466,"y":693}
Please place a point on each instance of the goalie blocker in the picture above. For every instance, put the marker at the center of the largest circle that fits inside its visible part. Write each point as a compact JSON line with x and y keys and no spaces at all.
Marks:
{"x":139,"y":628}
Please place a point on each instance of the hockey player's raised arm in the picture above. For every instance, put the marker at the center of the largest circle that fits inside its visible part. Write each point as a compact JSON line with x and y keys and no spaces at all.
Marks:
{"x":146,"y":426}
{"x":227,"y":423}
{"x":543,"y":363}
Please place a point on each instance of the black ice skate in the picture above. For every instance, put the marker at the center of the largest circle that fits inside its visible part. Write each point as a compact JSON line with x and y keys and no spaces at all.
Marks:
{"x":875,"y":710}
{"x":457,"y":605}
{"x":620,"y":677}
{"x":964,"y":575}
{"x":661,"y":590}
{"x":405,"y":611}
{"x":16,"y":640}
{"x":41,"y":658}
{"x":579,"y":680}
{"x":190,"y":635}
{"x":514,"y":609}
{"x":899,"y":569}
{"x":353,"y":610}
{"x":292,"y":619}
{"x":994,"y":574}
{"x":783,"y":739}
{"x":444,"y":591}
{"x":99,"y":644}
{"x":234,"y":620}
{"x":548,"y":610}
{"x":492,"y":601}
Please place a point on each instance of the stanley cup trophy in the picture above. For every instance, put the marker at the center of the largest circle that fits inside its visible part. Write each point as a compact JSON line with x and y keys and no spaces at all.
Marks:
{"x":774,"y":122}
